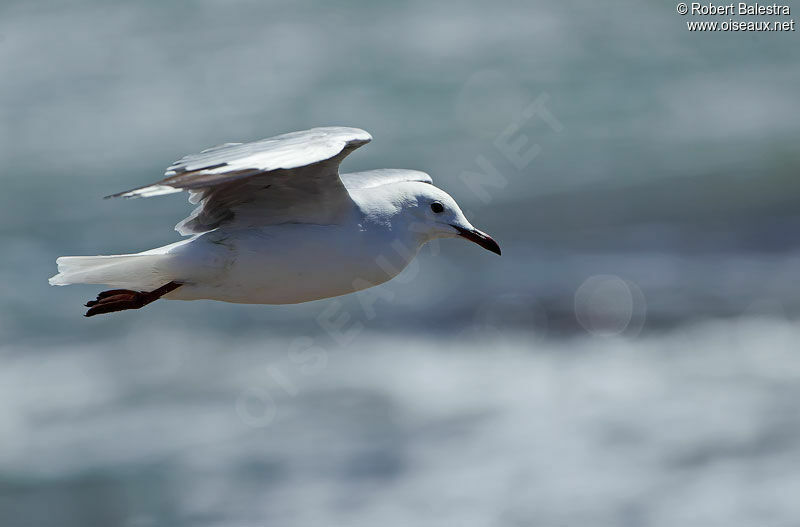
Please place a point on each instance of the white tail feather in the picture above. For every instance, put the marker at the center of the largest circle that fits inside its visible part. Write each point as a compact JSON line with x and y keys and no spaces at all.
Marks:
{"x":128,"y":271}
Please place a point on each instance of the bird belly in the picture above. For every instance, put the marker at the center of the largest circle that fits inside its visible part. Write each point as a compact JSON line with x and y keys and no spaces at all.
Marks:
{"x":294,"y":263}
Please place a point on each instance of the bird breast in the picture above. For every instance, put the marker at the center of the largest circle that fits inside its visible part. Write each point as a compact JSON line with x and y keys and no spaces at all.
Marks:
{"x":293,"y":263}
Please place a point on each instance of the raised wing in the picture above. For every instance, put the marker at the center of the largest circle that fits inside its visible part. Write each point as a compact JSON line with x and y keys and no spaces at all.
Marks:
{"x":288,"y":178}
{"x":224,"y":163}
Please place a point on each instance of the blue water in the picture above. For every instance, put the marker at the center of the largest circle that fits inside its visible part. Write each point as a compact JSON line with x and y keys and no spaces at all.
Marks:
{"x":629,"y":360}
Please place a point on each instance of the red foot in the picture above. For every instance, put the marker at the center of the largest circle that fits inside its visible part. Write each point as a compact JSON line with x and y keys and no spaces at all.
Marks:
{"x":122,"y":299}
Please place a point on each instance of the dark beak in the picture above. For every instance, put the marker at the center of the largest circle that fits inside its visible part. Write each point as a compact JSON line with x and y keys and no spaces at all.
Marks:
{"x":481,"y":238}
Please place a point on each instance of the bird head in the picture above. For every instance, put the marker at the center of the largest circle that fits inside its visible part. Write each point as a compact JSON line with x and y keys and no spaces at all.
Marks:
{"x":435,"y":214}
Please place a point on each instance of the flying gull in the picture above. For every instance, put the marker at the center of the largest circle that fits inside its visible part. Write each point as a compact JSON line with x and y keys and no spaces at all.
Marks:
{"x":276,"y":223}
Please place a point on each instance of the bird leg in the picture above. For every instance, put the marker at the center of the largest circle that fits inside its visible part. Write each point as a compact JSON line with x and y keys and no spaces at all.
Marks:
{"x":122,"y":299}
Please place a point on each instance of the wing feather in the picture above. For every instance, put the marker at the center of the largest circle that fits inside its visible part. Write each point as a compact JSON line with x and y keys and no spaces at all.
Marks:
{"x":288,"y":178}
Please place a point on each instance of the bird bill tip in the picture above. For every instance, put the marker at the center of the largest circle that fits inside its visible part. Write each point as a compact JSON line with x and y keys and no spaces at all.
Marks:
{"x":480,"y":238}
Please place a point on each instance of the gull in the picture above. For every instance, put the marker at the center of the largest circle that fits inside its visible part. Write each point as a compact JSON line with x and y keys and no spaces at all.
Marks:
{"x":276,"y":223}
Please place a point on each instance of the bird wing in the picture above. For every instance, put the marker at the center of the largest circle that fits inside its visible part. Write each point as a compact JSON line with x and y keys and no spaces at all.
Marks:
{"x":287,"y":178}
{"x":382,"y":176}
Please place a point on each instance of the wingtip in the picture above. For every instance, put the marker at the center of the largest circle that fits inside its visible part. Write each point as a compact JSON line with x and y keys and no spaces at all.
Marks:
{"x":145,"y":192}
{"x":126,"y":194}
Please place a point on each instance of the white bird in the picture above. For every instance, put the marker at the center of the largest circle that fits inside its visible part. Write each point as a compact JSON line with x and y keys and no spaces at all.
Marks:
{"x":277,"y":224}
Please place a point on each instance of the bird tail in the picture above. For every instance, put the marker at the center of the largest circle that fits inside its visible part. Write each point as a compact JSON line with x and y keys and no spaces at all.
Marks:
{"x":130,"y":271}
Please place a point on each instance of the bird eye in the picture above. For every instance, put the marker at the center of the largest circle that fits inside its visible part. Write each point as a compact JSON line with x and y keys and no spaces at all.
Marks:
{"x":437,"y":207}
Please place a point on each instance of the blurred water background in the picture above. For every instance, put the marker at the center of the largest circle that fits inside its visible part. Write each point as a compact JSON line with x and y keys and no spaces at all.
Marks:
{"x":630,"y":360}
